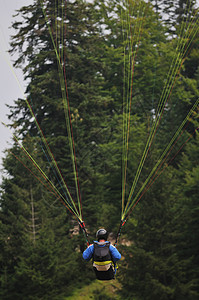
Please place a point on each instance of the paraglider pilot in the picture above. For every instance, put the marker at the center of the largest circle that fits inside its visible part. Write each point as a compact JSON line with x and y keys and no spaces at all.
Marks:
{"x":104,"y":256}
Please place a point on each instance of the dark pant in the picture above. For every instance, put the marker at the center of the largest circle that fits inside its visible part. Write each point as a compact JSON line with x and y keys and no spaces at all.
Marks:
{"x":104,"y":275}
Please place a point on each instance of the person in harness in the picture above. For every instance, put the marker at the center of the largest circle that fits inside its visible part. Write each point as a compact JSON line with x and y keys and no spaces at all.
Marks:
{"x":104,"y":256}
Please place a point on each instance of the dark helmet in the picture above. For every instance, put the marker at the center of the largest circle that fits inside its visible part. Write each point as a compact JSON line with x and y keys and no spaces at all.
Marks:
{"x":102,"y":234}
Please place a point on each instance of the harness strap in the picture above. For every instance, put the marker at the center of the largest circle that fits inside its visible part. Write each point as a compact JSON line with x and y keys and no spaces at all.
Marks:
{"x":103,"y":263}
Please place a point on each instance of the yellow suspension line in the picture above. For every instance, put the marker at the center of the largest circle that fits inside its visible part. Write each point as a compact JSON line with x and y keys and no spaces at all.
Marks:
{"x":162,"y":156}
{"x":152,"y":134}
{"x":66,"y":107}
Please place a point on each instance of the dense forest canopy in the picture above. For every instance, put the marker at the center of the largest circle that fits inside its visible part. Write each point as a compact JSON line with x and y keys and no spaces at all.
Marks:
{"x":107,"y":134}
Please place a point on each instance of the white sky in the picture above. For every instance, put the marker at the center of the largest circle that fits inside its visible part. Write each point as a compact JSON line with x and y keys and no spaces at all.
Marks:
{"x":9,"y":87}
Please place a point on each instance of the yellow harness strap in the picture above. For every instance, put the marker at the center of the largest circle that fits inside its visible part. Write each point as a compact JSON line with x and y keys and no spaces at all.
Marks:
{"x":102,"y":263}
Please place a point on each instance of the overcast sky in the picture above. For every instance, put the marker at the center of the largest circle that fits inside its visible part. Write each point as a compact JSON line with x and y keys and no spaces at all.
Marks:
{"x":9,"y":87}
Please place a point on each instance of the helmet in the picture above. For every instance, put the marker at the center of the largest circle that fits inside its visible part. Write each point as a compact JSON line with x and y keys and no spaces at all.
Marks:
{"x":102,"y":234}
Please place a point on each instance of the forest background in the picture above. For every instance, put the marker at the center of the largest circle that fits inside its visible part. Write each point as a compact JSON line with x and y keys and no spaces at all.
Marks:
{"x":41,"y":249}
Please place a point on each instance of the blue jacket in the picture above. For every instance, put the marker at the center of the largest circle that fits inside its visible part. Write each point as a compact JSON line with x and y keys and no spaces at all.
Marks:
{"x":88,"y":253}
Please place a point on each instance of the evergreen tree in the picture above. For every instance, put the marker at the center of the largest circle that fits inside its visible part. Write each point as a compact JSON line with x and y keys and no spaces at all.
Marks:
{"x":91,"y":107}
{"x":151,"y":270}
{"x":37,"y":247}
{"x":40,"y":253}
{"x":59,"y":255}
{"x":186,"y":193}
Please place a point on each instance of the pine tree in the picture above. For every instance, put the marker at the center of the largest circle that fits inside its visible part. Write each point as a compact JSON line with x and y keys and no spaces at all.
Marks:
{"x":91,"y":107}
{"x":61,"y":260}
{"x":186,"y":193}
{"x":38,"y":249}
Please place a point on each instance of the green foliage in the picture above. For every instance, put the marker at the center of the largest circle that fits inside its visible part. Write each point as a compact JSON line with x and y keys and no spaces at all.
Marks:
{"x":97,"y":290}
{"x":40,"y":252}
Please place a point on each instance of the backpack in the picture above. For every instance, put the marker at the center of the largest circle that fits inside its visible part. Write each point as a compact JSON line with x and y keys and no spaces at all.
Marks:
{"x":102,"y":261}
